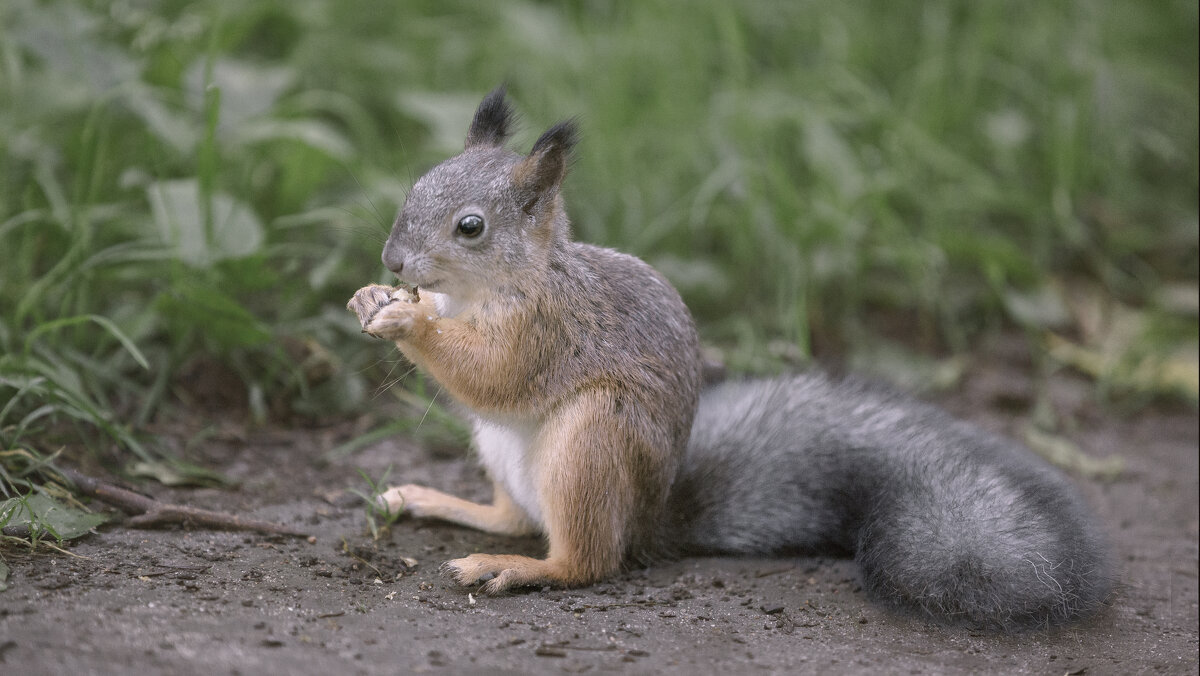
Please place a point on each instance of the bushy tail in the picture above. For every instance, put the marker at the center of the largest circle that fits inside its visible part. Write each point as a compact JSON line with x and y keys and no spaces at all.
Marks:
{"x":970,"y":545}
{"x":944,"y":520}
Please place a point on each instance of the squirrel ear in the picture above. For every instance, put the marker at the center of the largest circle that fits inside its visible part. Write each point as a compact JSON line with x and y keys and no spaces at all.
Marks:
{"x":539,"y":175}
{"x":492,"y":120}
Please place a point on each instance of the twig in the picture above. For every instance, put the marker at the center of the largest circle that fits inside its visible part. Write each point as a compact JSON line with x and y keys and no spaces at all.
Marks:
{"x":151,"y":512}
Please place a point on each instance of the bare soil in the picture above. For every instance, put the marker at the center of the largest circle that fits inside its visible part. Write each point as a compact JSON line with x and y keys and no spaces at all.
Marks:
{"x":202,"y":602}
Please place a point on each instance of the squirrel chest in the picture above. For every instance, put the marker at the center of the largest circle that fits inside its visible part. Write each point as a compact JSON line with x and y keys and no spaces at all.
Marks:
{"x":506,"y":444}
{"x":506,"y":448}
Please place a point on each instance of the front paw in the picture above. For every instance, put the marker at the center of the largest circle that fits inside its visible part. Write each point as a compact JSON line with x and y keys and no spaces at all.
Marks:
{"x":368,"y":300}
{"x":395,"y":320}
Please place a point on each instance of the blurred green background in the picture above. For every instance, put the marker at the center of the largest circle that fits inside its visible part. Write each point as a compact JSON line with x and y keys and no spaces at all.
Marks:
{"x":190,"y":191}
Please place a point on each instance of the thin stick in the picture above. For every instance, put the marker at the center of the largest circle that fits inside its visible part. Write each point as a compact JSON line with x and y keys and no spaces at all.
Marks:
{"x":151,"y":512}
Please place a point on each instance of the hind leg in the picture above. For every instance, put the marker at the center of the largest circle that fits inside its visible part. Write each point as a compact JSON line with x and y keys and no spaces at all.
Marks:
{"x":502,"y":517}
{"x":586,"y":493}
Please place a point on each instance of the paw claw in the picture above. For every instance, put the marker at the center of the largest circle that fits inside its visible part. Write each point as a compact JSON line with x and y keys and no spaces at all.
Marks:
{"x":468,"y":570}
{"x":447,"y":569}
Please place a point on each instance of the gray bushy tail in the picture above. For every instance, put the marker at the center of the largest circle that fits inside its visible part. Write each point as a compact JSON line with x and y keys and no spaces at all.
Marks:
{"x":956,"y":524}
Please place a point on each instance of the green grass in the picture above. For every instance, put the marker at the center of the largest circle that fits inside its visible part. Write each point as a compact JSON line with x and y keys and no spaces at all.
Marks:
{"x":198,"y":186}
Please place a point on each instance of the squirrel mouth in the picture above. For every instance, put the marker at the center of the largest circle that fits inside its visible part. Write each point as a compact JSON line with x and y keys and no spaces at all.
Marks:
{"x":414,"y":283}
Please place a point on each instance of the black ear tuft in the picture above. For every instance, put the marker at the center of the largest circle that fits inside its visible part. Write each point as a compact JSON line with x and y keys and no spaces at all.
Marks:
{"x":561,"y":138}
{"x":492,"y":121}
{"x":540,"y":175}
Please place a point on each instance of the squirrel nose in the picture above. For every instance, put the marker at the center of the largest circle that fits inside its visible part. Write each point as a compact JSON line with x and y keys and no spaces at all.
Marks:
{"x":394,"y":261}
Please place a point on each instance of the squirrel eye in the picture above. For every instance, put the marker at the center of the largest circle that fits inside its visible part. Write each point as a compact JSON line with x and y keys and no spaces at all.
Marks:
{"x":470,"y":226}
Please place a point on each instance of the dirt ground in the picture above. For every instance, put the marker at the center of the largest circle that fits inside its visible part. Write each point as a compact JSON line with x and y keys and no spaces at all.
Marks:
{"x":200,"y":602}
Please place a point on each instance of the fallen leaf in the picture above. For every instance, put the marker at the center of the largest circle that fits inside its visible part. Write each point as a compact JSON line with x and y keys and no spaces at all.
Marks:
{"x":44,"y":514}
{"x":1064,"y":453}
{"x":1145,"y":350}
{"x":1177,"y":373}
{"x":176,"y":473}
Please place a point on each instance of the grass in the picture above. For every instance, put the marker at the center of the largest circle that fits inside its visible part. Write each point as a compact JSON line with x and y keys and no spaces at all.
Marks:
{"x":378,"y":516}
{"x":196,"y":187}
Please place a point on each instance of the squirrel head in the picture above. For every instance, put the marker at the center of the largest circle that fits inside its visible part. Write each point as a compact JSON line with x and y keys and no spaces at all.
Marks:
{"x":487,"y":217}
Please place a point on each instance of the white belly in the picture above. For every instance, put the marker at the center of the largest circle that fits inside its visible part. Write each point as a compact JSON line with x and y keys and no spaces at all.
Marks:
{"x":446,"y":304}
{"x":506,"y":449}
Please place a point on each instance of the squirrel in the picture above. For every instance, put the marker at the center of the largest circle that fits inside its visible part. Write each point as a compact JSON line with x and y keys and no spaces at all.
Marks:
{"x":580,"y":370}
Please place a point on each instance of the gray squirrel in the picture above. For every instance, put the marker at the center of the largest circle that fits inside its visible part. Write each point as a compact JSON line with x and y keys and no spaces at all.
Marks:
{"x":580,"y":370}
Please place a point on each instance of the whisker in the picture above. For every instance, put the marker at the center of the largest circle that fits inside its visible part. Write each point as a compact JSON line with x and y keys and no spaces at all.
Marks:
{"x":389,"y":383}
{"x":373,"y":364}
{"x":429,"y":408}
{"x":366,"y":195}
{"x":363,"y":229}
{"x":403,"y":152}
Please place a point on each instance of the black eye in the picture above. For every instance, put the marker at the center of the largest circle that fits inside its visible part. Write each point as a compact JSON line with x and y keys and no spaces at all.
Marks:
{"x":470,"y":226}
